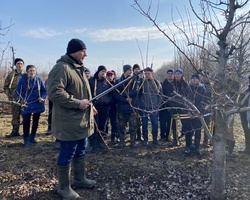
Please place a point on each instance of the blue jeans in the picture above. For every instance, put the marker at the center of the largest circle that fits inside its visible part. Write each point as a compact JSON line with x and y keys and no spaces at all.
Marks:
{"x":70,"y":150}
{"x":154,"y":122}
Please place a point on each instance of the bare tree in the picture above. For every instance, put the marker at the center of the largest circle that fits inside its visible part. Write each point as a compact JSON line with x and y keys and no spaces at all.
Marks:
{"x":219,"y":20}
{"x":3,"y":49}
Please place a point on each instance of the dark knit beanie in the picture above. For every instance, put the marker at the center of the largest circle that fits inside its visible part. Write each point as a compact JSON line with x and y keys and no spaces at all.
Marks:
{"x":30,"y":66}
{"x":126,"y":68}
{"x":179,"y":71}
{"x":87,"y":70}
{"x":101,"y":67}
{"x":136,"y":66}
{"x":110,"y":73}
{"x":148,"y":69}
{"x":75,"y":45}
{"x":170,"y":71}
{"x":17,"y":60}
{"x":195,"y":76}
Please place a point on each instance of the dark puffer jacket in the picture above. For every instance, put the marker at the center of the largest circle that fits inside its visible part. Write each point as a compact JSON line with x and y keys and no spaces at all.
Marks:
{"x":121,"y":94}
{"x":98,"y":86}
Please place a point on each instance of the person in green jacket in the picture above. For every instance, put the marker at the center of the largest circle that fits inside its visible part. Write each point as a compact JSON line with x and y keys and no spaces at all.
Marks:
{"x":10,"y":85}
{"x":72,"y":117}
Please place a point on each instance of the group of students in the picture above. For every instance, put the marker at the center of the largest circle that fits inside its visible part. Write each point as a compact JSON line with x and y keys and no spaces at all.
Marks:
{"x":129,"y":105}
{"x":135,"y":100}
{"x":133,"y":103}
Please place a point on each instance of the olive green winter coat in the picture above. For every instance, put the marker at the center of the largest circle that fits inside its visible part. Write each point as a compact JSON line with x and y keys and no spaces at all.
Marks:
{"x":67,"y":85}
{"x":10,"y":84}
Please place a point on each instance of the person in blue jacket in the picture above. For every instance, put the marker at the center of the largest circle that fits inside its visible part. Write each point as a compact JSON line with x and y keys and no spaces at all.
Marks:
{"x":32,"y":93}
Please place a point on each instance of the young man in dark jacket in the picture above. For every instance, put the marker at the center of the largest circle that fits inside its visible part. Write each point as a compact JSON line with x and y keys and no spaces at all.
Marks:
{"x":167,"y":113}
{"x":195,"y":94}
{"x":125,"y":95}
{"x":150,"y":102}
{"x":99,"y":84}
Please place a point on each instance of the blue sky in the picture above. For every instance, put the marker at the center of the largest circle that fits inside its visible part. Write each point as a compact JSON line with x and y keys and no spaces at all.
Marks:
{"x":110,"y":29}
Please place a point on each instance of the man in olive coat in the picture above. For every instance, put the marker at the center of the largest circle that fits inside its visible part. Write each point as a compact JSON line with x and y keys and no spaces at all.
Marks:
{"x":10,"y":85}
{"x":72,"y":117}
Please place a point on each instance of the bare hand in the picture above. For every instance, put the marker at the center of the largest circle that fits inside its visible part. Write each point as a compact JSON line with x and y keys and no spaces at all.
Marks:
{"x":84,"y":103}
{"x":95,"y":111}
{"x":40,"y":99}
{"x":129,"y":99}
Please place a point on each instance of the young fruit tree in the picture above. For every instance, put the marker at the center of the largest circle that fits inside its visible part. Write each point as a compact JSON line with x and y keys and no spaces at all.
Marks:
{"x":211,"y":33}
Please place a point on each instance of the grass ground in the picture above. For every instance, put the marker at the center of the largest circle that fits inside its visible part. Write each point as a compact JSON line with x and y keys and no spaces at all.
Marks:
{"x":142,"y":173}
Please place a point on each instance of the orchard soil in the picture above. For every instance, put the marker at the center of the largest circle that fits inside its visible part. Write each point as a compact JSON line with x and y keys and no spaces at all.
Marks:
{"x":154,"y":172}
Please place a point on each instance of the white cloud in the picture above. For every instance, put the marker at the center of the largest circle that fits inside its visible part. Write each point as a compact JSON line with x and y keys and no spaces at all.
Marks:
{"x":125,"y":34}
{"x":42,"y":33}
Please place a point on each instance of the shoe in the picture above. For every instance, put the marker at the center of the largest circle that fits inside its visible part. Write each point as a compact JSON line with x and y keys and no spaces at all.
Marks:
{"x":205,"y":145}
{"x":58,"y":145}
{"x":101,"y":145}
{"x":246,"y":152}
{"x":49,"y":132}
{"x":26,"y":142}
{"x":12,"y":134}
{"x":187,"y":150}
{"x":91,"y":149}
{"x":32,"y":139}
{"x":181,"y":136}
{"x":174,"y":144}
{"x":145,"y":143}
{"x":197,"y":152}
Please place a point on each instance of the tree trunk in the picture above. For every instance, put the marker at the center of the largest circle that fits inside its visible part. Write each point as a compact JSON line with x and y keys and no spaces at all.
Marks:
{"x":219,"y":158}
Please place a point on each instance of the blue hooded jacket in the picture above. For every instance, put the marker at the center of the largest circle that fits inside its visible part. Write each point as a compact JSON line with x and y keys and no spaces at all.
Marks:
{"x":28,"y":91}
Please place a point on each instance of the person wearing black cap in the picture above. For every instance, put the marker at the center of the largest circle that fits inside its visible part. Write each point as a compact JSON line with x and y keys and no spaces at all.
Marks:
{"x":124,"y":96}
{"x":150,"y":101}
{"x":195,"y":93}
{"x":166,"y":114}
{"x":72,"y":117}
{"x":87,"y":73}
{"x":9,"y":87}
{"x":206,"y":82}
{"x":245,"y":121}
{"x":98,"y":84}
{"x":180,"y":86}
{"x":112,"y":110}
{"x":136,"y":83}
